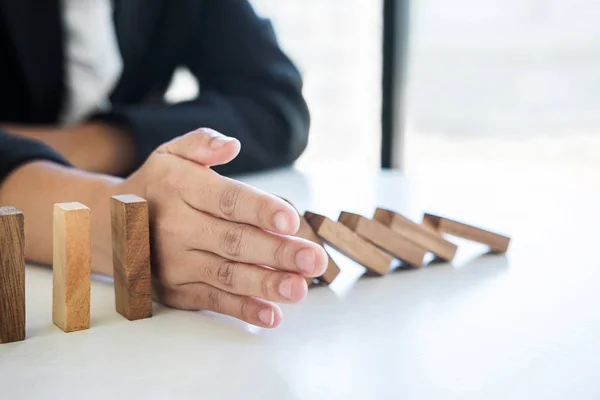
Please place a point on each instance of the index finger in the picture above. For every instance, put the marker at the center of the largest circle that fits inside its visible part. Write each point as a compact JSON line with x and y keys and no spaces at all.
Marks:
{"x":238,"y":202}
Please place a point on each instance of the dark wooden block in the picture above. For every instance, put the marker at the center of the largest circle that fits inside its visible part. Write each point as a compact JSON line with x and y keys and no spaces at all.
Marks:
{"x":497,"y":243}
{"x":385,"y":238}
{"x":418,"y":234}
{"x":350,"y":243}
{"x":131,"y":256}
{"x":12,"y":275}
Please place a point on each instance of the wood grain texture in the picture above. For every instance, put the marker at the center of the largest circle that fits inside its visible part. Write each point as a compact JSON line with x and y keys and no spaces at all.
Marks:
{"x":12,"y":275}
{"x":306,"y":232}
{"x":385,"y":238}
{"x":418,"y":234}
{"x":71,"y":267}
{"x":498,"y":243}
{"x":350,"y":243}
{"x":131,"y":256}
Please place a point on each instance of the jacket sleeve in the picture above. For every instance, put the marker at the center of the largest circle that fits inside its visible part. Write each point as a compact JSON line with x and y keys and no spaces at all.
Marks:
{"x":249,"y":89}
{"x":15,"y":152}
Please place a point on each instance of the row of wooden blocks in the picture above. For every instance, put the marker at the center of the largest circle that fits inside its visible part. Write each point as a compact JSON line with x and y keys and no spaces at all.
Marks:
{"x":370,"y":242}
{"x":374,"y":242}
{"x":72,"y":265}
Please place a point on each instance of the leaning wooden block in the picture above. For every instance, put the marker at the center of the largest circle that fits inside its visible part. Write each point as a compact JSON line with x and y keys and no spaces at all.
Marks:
{"x":131,"y":256}
{"x":12,"y":275}
{"x":350,"y":243}
{"x":497,"y":243}
{"x":71,"y":267}
{"x":385,"y":238}
{"x":306,"y":232}
{"x":417,"y":234}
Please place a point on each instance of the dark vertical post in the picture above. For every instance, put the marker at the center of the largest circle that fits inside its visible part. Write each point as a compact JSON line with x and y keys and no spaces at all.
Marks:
{"x":395,"y":40}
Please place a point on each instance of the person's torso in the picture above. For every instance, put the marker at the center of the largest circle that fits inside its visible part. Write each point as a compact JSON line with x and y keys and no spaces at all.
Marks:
{"x":151,"y":35}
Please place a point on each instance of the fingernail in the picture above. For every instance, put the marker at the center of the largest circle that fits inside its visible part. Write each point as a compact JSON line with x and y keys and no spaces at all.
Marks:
{"x":305,"y":261}
{"x":266,"y":316}
{"x":219,"y":141}
{"x":281,"y":221}
{"x":285,"y":288}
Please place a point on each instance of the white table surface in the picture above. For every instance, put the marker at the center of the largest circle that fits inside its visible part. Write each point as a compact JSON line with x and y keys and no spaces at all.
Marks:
{"x":521,"y":326}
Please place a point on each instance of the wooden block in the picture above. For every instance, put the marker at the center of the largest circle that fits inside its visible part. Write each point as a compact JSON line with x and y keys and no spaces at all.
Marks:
{"x":497,"y":243}
{"x":385,"y":238}
{"x":416,"y":233}
{"x":12,"y":275}
{"x":71,"y":267}
{"x":131,"y":256}
{"x":350,"y":243}
{"x":306,"y":232}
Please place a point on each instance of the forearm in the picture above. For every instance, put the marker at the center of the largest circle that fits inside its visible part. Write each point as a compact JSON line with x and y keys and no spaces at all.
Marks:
{"x":35,"y":187}
{"x":93,"y":146}
{"x":272,"y":129}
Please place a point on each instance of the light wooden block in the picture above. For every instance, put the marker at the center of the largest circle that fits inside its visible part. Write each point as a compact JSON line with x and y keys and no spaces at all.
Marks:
{"x":306,"y":232}
{"x":417,"y":234}
{"x":497,"y":243}
{"x":12,"y":275}
{"x":385,"y":238}
{"x":131,"y":256}
{"x":350,"y":243}
{"x":71,"y":267}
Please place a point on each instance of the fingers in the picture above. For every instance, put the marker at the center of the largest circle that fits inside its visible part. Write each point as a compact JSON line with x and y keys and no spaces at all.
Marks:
{"x":201,"y":296}
{"x":235,"y":201}
{"x":224,"y":197}
{"x":203,"y":146}
{"x":244,"y":279}
{"x":251,"y":245}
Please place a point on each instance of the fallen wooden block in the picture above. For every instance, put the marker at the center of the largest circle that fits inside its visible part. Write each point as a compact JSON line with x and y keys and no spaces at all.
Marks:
{"x":12,"y":275}
{"x":332,"y":271}
{"x":131,"y":256}
{"x":497,"y":243}
{"x":71,"y":267}
{"x":350,"y":243}
{"x":417,"y":234}
{"x":385,"y":238}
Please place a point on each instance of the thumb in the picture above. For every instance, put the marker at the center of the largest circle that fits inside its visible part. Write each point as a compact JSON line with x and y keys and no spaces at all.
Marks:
{"x":203,"y":146}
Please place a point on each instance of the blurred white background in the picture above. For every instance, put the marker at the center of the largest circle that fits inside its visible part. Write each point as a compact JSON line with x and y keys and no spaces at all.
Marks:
{"x":505,"y":85}
{"x":493,"y":85}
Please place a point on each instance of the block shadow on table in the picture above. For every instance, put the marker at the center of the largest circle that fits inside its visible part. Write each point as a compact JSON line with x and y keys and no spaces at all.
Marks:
{"x":348,"y":288}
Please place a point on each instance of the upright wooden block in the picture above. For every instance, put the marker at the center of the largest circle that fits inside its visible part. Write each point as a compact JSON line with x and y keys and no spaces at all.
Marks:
{"x":306,"y":232}
{"x":416,"y":233}
{"x":131,"y":256}
{"x":12,"y":275}
{"x":383,"y":237}
{"x":350,"y":243}
{"x":71,"y":267}
{"x":497,"y":243}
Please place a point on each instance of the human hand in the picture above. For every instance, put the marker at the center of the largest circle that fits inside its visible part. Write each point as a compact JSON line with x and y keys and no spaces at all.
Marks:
{"x":218,"y":244}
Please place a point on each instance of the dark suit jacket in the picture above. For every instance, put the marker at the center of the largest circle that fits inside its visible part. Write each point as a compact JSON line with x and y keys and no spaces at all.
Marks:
{"x":249,"y":88}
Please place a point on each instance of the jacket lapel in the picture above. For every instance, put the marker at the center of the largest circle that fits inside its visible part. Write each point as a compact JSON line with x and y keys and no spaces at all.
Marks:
{"x":36,"y":30}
